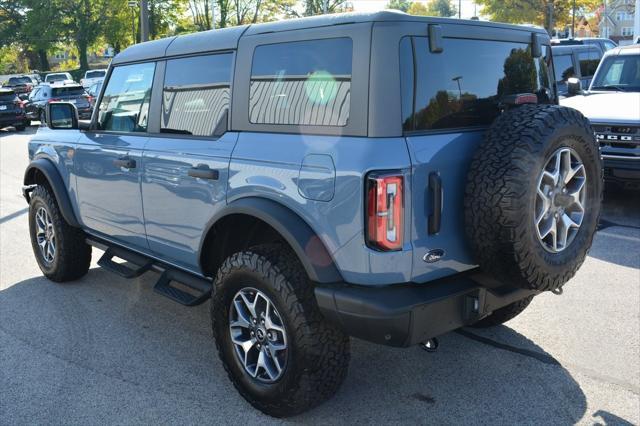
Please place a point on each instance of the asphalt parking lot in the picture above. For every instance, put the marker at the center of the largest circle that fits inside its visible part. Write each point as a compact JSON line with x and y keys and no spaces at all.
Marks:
{"x":107,"y":350}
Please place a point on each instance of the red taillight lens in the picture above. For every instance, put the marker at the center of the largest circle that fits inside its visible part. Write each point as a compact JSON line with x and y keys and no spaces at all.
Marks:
{"x":385,"y":211}
{"x":54,"y":100}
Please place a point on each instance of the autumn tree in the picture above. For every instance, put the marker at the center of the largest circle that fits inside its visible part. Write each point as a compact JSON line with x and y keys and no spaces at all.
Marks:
{"x":546,"y":13}
{"x":316,"y":7}
{"x":442,"y":8}
{"x":401,"y":5}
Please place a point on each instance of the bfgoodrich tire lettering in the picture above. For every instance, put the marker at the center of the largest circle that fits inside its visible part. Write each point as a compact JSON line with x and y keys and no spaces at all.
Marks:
{"x":72,"y":255}
{"x":501,"y":194}
{"x":317,"y":352}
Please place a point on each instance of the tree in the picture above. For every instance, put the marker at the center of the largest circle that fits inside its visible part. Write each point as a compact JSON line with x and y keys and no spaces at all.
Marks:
{"x":84,"y":22}
{"x":401,"y":5}
{"x":316,"y":7}
{"x":547,"y":13}
{"x":416,"y":8}
{"x":441,"y":8}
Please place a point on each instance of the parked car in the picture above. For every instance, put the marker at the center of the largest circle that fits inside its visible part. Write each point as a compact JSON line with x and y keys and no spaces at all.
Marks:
{"x":603,"y":43}
{"x":12,"y":110}
{"x":94,"y":91}
{"x":57,"y":76}
{"x":92,"y":76}
{"x":58,"y":92}
{"x":612,"y":104}
{"x":358,"y":178}
{"x":20,"y":84}
{"x":578,"y":61}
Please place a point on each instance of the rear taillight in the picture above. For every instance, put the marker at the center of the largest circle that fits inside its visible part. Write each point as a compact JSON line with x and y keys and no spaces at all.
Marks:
{"x":385,"y":211}
{"x":54,"y":100}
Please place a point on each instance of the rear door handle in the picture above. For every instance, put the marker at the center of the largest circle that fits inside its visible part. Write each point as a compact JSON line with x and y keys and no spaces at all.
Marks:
{"x":125,"y":162}
{"x":435,"y":190}
{"x":203,"y":171}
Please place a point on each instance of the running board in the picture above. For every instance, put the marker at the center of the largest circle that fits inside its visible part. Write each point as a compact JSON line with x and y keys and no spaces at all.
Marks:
{"x":179,"y":286}
{"x":141,"y":264}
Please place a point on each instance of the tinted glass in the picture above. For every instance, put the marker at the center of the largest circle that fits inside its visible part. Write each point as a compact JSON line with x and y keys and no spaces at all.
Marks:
{"x":465,"y":84}
{"x":95,"y":74}
{"x":196,"y":94}
{"x":125,"y":104}
{"x":619,"y":73}
{"x":406,"y":81}
{"x":19,"y":80}
{"x":563,"y":65}
{"x":7,"y":96}
{"x":67,"y":91}
{"x":302,"y":83}
{"x":589,"y":61}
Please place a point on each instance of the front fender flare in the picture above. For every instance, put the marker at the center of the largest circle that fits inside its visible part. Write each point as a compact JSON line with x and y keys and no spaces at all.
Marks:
{"x":311,"y":251}
{"x":51,"y":174}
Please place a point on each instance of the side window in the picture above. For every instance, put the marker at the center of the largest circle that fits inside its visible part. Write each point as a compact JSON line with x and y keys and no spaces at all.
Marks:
{"x":125,"y":104}
{"x":196,"y":94}
{"x":465,"y":84}
{"x":563,"y":65}
{"x":34,"y":94}
{"x":589,"y":61}
{"x":302,"y":83}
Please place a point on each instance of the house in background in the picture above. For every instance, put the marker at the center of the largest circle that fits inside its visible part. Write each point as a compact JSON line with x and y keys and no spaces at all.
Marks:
{"x":616,"y":21}
{"x":584,"y":28}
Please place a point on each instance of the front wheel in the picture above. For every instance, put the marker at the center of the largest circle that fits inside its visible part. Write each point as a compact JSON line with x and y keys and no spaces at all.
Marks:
{"x":59,"y":248}
{"x":276,"y":347}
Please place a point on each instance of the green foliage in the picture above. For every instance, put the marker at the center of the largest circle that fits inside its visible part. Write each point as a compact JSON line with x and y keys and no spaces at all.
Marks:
{"x":316,"y":7}
{"x":401,"y":5}
{"x":442,"y":8}
{"x":536,"y":12}
{"x":11,"y":60}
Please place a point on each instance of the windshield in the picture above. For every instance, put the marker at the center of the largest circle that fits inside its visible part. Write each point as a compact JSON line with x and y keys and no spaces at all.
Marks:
{"x":67,"y":91}
{"x":19,"y":80}
{"x":94,"y":74}
{"x":621,"y":73}
{"x":56,"y":77}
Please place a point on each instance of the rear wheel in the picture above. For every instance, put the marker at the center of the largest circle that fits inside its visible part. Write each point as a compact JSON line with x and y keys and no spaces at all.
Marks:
{"x":276,"y":347}
{"x":59,"y":248}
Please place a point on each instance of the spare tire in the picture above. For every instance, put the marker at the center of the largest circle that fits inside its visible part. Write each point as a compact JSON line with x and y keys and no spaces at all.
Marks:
{"x":533,"y":194}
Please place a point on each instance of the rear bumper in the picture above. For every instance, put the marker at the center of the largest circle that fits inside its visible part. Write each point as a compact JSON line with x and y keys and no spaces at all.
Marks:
{"x":407,"y":314}
{"x":12,"y":119}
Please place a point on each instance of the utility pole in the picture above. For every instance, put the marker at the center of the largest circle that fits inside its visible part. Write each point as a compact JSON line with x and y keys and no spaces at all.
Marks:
{"x":459,"y":9}
{"x":325,"y":7}
{"x":636,"y":23}
{"x":132,"y":5}
{"x":573,"y":20}
{"x":144,"y":21}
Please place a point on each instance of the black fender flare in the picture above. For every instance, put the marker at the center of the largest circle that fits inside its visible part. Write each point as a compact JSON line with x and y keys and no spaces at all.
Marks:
{"x":309,"y":248}
{"x":51,"y":174}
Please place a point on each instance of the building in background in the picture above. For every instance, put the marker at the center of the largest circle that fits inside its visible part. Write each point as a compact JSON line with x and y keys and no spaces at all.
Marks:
{"x":616,"y":21}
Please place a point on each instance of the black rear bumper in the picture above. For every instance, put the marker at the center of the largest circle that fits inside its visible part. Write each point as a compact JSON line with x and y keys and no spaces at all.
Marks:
{"x":407,"y":314}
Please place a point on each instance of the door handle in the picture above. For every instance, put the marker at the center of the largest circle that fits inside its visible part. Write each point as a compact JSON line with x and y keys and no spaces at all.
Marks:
{"x":435,"y":190}
{"x":125,"y":162}
{"x":203,"y":171}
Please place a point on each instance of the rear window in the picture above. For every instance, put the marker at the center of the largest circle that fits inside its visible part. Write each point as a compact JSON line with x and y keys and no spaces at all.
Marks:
{"x":95,"y":74}
{"x":56,"y":77}
{"x":464,"y":85}
{"x":302,"y":83}
{"x":7,"y":96}
{"x":67,"y":91}
{"x":196,"y":94}
{"x":589,"y":61}
{"x":19,"y":80}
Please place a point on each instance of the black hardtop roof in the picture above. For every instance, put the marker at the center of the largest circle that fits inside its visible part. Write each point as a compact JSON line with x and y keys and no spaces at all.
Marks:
{"x":227,"y":38}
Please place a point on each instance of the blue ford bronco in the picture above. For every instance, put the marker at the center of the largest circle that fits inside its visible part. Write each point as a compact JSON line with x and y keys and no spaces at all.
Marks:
{"x":381,"y":176}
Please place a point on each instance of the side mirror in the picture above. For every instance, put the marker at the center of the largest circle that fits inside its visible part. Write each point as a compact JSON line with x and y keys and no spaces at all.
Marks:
{"x":62,"y":115}
{"x":574,"y":87}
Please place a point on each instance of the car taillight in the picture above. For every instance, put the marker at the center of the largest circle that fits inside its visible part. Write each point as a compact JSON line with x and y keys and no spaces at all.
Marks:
{"x":385,"y":211}
{"x":54,"y":100}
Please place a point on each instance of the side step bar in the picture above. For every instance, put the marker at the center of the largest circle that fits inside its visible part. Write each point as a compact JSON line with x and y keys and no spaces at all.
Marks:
{"x":179,"y":286}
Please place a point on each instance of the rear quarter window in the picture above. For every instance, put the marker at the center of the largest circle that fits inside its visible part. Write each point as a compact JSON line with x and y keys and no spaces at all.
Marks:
{"x":463,"y":86}
{"x":302,"y":83}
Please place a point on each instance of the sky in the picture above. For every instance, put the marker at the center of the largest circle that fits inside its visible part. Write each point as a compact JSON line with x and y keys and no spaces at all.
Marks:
{"x":374,"y":5}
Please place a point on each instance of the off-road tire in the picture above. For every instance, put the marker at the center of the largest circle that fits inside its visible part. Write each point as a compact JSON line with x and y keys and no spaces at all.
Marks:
{"x":73,"y":255}
{"x":318,"y":355}
{"x":504,"y":314}
{"x":501,"y":192}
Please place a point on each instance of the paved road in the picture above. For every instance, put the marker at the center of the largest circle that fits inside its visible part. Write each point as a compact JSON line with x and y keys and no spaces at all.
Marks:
{"x":107,"y":350}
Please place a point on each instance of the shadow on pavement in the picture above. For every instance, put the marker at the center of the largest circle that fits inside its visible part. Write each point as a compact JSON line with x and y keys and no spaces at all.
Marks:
{"x":108,"y":350}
